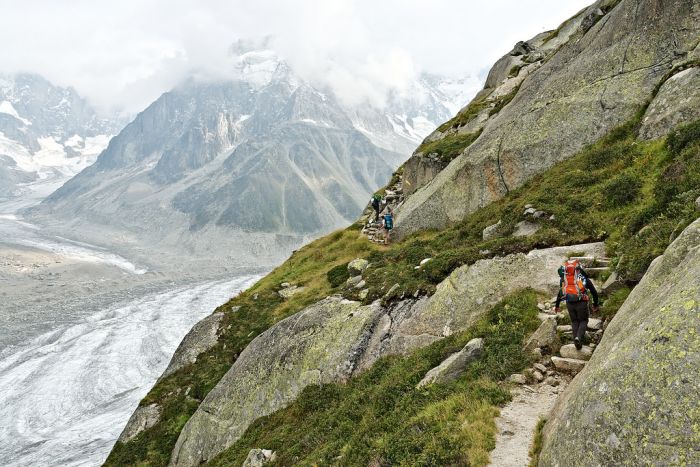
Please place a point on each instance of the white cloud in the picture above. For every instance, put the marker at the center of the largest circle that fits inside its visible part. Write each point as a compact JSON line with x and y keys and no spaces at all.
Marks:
{"x":126,"y":53}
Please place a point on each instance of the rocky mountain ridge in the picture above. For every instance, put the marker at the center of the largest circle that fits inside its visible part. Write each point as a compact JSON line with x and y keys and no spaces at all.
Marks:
{"x":47,"y":133}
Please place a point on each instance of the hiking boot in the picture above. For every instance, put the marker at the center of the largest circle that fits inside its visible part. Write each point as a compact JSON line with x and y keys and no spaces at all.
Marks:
{"x":577,"y":343}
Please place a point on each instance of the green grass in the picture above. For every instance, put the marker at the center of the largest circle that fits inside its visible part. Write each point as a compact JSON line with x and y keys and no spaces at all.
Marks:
{"x":536,"y":447}
{"x":465,"y":115}
{"x":381,"y":417}
{"x":450,"y":146}
{"x":666,"y":174}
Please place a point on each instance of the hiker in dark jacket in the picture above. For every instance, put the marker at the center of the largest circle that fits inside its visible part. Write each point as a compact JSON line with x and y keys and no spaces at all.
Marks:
{"x":376,"y":203}
{"x":574,"y":285}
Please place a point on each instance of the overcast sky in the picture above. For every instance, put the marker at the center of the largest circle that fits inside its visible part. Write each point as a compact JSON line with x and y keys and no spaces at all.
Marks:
{"x":124,"y":54}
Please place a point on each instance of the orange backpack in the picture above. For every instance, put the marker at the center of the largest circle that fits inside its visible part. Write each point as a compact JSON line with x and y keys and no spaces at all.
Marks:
{"x":573,"y":285}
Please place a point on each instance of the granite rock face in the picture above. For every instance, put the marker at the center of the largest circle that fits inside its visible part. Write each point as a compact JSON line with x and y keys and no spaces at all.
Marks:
{"x":142,"y":419}
{"x":598,"y":79}
{"x":677,"y":102}
{"x":636,"y":401}
{"x":202,"y":337}
{"x":454,"y":365}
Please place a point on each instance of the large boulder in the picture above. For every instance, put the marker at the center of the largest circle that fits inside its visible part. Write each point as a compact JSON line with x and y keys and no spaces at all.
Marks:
{"x":318,"y":345}
{"x":677,"y":102}
{"x":141,"y":420}
{"x":636,"y":401}
{"x":202,"y":337}
{"x":454,"y":365}
{"x":597,"y":80}
{"x":545,"y":336}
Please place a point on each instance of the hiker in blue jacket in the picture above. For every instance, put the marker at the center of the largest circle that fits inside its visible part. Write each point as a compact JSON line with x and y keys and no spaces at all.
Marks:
{"x":388,"y":224}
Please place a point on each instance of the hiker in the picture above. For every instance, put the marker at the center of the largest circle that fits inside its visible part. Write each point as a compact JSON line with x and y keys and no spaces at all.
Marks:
{"x":388,"y":224}
{"x":376,"y":203}
{"x":573,"y":286}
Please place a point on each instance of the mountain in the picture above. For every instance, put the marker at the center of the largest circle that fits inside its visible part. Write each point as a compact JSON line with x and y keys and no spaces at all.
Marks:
{"x":447,"y":347}
{"x":254,"y":164}
{"x":47,"y":134}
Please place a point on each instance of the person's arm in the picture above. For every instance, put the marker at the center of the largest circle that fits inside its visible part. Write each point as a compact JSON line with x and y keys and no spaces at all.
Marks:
{"x":560,"y":296}
{"x":590,"y":287}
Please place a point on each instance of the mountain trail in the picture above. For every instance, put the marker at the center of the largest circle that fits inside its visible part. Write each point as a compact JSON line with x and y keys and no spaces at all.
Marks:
{"x":518,"y":421}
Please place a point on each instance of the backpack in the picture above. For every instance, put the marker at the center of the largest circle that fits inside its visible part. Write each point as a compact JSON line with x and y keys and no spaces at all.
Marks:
{"x":377,"y":197}
{"x":573,"y":283}
{"x":389,"y":221}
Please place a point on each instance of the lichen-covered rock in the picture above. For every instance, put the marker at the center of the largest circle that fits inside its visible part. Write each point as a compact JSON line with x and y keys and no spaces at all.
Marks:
{"x":454,"y":365}
{"x":595,"y":81}
{"x":469,"y":291}
{"x":202,"y":337}
{"x":569,"y":365}
{"x":357,"y":266}
{"x":142,"y":419}
{"x":320,"y":344}
{"x":636,"y":402}
{"x":545,"y":336}
{"x":492,"y":231}
{"x":517,"y":379}
{"x":525,"y":229}
{"x":677,"y":102}
{"x":291,"y":290}
{"x":259,"y":457}
{"x":570,"y":351}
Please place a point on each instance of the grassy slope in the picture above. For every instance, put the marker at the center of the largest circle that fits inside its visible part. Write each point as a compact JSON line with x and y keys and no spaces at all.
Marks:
{"x":636,"y":196}
{"x":381,"y":417}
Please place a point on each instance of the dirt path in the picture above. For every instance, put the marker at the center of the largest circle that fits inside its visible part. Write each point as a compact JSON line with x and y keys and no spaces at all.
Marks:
{"x":517,"y":422}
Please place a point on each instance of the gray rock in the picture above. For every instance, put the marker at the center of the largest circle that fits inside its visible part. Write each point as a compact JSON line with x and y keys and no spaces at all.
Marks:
{"x":289,"y":291}
{"x":361,"y":284}
{"x":424,"y":261}
{"x":363,"y":294}
{"x":454,"y":365}
{"x":539,"y":215}
{"x":677,"y":102}
{"x":594,"y":324}
{"x":697,"y":203}
{"x":393,"y":289}
{"x":570,"y":351}
{"x":649,"y":348}
{"x":552,"y":381}
{"x":539,"y":377}
{"x":357,"y":266}
{"x":492,"y":231}
{"x":612,"y":284}
{"x":259,"y":457}
{"x":517,"y":379}
{"x":202,"y":337}
{"x":544,"y":336}
{"x":569,"y":365}
{"x":353,"y":281}
{"x":540,"y":367}
{"x":320,"y":344}
{"x":580,"y":92}
{"x":141,"y":420}
{"x":525,"y":229}
{"x":564,"y":328}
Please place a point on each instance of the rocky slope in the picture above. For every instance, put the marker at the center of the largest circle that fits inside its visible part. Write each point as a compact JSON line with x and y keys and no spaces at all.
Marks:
{"x":47,"y":134}
{"x":636,"y":400}
{"x":263,"y":381}
{"x":548,"y":98}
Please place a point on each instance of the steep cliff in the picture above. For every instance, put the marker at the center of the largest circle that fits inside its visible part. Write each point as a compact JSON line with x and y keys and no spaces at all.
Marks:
{"x":544,"y":102}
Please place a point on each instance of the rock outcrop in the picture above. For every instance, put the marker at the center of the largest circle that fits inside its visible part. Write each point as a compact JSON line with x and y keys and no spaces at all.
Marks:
{"x":597,"y":79}
{"x":335,"y":338}
{"x":142,"y":419}
{"x":677,"y":102}
{"x":202,"y":337}
{"x":636,"y":401}
{"x":454,"y":365}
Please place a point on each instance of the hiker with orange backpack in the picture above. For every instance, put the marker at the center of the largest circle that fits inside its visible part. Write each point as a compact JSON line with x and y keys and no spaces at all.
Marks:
{"x":574,"y":285}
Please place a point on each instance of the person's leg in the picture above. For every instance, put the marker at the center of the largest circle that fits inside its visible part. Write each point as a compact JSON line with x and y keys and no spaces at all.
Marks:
{"x":571,"y":307}
{"x":582,"y":313}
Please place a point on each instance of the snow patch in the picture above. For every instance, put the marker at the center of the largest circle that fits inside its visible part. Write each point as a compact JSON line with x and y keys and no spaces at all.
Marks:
{"x":6,"y":107}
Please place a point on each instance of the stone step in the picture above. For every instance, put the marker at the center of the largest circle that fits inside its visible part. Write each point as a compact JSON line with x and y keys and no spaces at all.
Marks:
{"x":569,"y":365}
{"x":570,"y":351}
{"x":597,"y":270}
